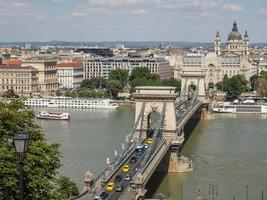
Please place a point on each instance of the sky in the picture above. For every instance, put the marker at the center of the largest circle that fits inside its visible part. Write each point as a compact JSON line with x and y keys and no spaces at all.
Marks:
{"x":130,"y":20}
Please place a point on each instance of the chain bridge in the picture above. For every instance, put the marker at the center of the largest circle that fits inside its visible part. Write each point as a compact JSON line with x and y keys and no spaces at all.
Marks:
{"x":160,"y":118}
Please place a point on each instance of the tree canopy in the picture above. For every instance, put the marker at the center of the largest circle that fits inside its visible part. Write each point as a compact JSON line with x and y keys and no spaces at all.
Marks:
{"x":234,"y":86}
{"x":41,"y":163}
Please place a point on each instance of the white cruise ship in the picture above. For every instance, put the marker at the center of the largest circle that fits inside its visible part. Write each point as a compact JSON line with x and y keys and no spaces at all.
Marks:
{"x":68,"y":102}
{"x":228,"y":107}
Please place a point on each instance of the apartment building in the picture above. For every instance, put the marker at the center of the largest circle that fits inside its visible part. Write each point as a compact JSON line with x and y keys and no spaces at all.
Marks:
{"x":23,"y":80}
{"x":101,"y":67}
{"x":46,"y":72}
{"x":70,"y":75}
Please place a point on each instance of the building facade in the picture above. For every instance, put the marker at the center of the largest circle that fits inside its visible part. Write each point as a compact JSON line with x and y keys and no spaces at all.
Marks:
{"x":23,"y":80}
{"x":232,"y":60}
{"x":70,"y":75}
{"x":101,"y":67}
{"x":47,"y":74}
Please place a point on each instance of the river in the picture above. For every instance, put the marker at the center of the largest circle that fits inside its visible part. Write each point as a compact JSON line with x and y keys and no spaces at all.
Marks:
{"x":228,"y":153}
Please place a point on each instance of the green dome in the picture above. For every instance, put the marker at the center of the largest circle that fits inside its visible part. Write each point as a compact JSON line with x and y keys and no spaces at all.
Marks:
{"x":234,"y":34}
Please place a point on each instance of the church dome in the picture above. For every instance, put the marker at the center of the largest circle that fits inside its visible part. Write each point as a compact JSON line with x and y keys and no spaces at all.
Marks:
{"x":234,"y":34}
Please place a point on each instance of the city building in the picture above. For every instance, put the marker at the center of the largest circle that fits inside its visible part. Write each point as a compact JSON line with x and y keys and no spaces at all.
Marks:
{"x":23,"y":80}
{"x":232,"y":60}
{"x":70,"y":75}
{"x":47,"y":74}
{"x":101,"y":67}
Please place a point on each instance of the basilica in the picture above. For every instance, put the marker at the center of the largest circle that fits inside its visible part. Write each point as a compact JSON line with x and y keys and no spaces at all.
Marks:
{"x":232,"y":59}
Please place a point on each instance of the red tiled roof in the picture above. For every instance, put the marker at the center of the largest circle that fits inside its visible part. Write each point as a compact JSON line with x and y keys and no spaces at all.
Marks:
{"x":12,"y":62}
{"x":16,"y":67}
{"x":71,"y":64}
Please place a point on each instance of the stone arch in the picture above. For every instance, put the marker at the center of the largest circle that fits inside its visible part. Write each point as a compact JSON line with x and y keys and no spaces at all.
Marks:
{"x":153,"y":120}
{"x":195,"y":77}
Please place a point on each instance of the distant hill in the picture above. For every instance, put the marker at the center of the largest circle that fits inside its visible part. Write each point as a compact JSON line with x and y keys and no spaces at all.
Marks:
{"x":130,"y":44}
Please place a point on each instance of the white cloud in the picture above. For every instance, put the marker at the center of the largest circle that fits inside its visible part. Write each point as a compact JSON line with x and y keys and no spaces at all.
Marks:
{"x":262,"y":11}
{"x":139,"y":12}
{"x":58,"y":1}
{"x":114,"y":2}
{"x":18,"y":3}
{"x":176,"y":4}
{"x":78,"y":14}
{"x":232,"y":7}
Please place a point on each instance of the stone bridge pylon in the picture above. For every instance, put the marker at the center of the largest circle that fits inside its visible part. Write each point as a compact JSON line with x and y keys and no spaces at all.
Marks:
{"x":149,"y":103}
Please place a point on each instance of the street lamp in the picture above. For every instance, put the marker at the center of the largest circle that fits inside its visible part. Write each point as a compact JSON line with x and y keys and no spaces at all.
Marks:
{"x":21,"y":141}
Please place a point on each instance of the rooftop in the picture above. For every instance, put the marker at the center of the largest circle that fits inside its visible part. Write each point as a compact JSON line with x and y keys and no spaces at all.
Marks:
{"x":70,"y":65}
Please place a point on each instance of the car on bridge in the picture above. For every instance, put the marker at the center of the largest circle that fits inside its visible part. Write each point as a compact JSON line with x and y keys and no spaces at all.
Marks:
{"x":133,"y":159}
{"x":119,"y":188}
{"x":125,"y":168}
{"x":128,"y":177}
{"x":110,"y":186}
{"x":149,"y":140}
{"x":118,"y":178}
{"x":103,"y":195}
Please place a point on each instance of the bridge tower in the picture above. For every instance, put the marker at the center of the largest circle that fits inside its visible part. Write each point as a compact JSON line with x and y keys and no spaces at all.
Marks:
{"x":193,"y":78}
{"x":151,"y":99}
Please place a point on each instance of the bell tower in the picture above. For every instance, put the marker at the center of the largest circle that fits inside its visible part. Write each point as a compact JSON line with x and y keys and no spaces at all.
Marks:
{"x":246,"y":43}
{"x":217,"y":44}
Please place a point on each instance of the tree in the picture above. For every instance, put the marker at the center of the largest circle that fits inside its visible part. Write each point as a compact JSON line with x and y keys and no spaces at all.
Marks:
{"x":66,"y":187}
{"x":253,"y":82}
{"x":262,"y":84}
{"x":41,"y":163}
{"x":113,"y":88}
{"x":10,"y":94}
{"x":172,"y":82}
{"x":94,"y":83}
{"x":236,"y":85}
{"x":120,"y":75}
{"x":140,"y":72}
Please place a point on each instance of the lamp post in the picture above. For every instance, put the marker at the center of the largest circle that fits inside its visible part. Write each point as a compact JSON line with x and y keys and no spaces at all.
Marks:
{"x":20,"y":141}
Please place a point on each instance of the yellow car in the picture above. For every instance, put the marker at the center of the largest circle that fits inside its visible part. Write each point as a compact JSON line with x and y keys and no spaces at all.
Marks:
{"x":149,"y":140}
{"x":110,"y":186}
{"x":125,"y":168}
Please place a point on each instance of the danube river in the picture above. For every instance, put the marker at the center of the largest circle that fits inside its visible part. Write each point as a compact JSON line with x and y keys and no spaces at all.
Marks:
{"x":228,"y":153}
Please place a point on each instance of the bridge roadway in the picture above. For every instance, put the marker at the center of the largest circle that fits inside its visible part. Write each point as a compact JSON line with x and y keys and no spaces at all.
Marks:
{"x":185,"y":110}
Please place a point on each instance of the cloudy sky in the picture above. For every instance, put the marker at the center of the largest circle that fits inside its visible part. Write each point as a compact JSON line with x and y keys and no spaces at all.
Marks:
{"x":131,"y":20}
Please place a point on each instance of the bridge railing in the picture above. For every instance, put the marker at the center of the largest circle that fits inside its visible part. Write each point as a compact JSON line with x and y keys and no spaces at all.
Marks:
{"x":156,"y":137}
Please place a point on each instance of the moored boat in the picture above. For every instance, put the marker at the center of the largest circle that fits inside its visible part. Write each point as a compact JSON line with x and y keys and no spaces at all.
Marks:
{"x":67,"y":102}
{"x":229,"y":107}
{"x":53,"y":115}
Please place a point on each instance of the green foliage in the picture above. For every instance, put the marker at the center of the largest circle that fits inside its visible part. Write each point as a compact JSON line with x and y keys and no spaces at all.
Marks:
{"x":66,"y":187}
{"x":172,"y":82}
{"x":120,"y":75}
{"x":253,"y":82}
{"x":40,"y":164}
{"x":113,"y":87}
{"x":142,"y":77}
{"x":86,"y":93}
{"x":10,"y":94}
{"x":94,"y":83}
{"x":58,"y":93}
{"x":261,"y":84}
{"x":140,"y":72}
{"x":234,"y":86}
